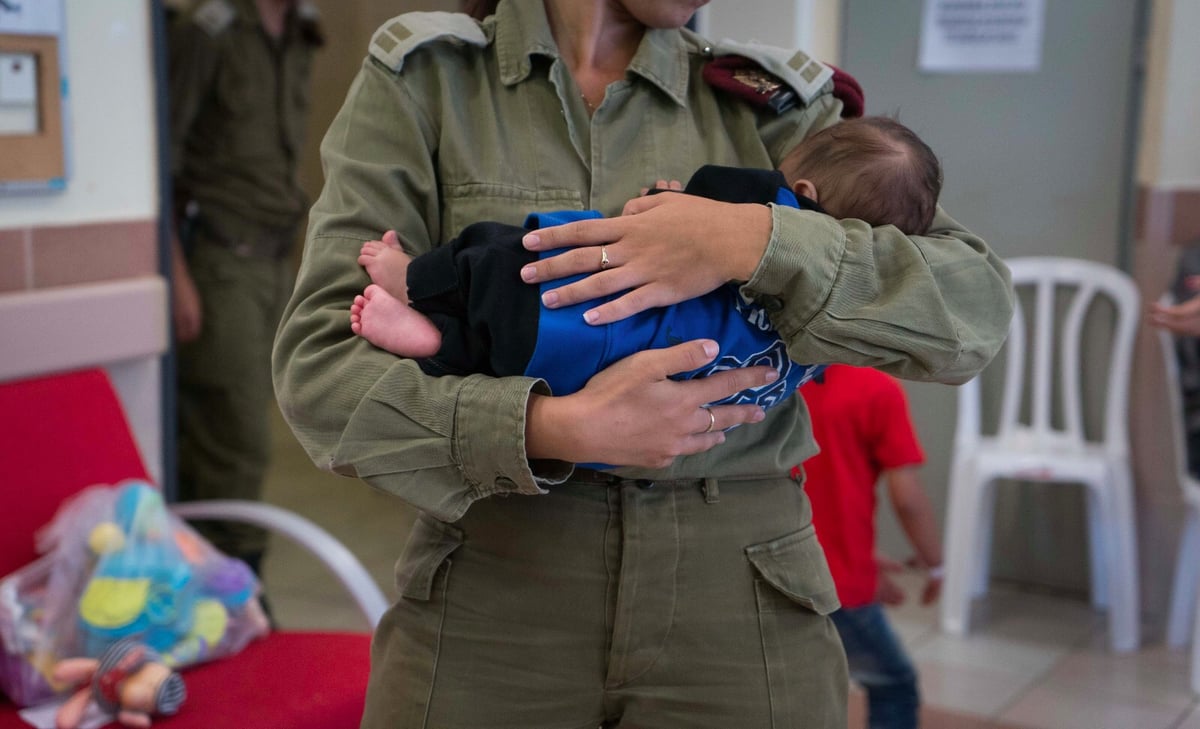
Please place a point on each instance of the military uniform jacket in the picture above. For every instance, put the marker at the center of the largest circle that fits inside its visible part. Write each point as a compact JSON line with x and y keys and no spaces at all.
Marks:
{"x":450,"y":122}
{"x":239,"y":100}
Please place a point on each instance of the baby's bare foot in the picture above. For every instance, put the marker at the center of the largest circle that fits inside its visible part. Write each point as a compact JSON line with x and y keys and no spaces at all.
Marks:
{"x":391,"y":324}
{"x":387,"y":264}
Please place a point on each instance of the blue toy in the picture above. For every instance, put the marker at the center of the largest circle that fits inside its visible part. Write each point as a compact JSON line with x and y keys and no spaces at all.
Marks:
{"x":158,"y":584}
{"x":141,"y":587}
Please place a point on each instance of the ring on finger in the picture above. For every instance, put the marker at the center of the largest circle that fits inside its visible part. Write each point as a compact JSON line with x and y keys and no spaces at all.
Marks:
{"x":604,"y":262}
{"x":712,"y":419}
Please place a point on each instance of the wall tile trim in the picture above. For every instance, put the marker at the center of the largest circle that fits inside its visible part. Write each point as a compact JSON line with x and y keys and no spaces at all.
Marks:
{"x":63,"y":255}
{"x":1168,"y":216}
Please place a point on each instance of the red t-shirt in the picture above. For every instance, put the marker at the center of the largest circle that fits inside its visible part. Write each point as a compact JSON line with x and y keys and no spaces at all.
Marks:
{"x":861,"y":423}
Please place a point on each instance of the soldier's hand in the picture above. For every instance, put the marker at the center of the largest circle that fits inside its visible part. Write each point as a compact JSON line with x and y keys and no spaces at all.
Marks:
{"x":664,"y":249}
{"x":633,"y":414}
{"x":186,"y":311}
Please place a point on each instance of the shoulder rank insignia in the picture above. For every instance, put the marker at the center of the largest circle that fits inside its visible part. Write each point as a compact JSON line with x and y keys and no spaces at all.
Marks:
{"x":214,"y":16}
{"x":400,"y":35}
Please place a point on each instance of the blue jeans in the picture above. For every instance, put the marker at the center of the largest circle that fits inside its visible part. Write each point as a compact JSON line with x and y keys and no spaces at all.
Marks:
{"x":879,"y":663}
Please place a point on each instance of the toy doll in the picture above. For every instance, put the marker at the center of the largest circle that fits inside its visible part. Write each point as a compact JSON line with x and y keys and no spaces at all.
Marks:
{"x":128,"y":680}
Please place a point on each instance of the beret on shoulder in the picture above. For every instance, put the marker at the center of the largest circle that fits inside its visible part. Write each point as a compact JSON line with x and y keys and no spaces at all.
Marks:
{"x":748,"y":79}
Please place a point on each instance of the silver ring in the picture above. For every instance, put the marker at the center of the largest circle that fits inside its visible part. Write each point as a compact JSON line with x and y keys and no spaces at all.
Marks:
{"x":712,"y":419}
{"x":604,"y":262}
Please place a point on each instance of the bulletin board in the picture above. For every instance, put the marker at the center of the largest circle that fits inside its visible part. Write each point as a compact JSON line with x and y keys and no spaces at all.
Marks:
{"x":33,"y":97}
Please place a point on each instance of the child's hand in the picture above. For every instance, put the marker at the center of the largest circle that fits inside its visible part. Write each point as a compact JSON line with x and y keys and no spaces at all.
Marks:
{"x":886,"y":589}
{"x":673,"y":185}
{"x":933,"y":580}
{"x":933,"y":588}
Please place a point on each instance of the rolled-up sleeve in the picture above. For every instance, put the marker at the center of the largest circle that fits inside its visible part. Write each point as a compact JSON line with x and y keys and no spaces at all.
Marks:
{"x":933,"y":307}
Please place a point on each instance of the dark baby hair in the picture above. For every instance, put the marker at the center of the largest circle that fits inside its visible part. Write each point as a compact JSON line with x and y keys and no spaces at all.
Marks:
{"x":872,"y":168}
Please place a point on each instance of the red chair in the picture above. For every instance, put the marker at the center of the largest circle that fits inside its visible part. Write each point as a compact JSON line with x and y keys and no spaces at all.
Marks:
{"x":62,"y":433}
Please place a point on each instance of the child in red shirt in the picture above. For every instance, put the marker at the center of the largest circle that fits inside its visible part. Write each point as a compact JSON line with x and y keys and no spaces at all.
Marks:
{"x":861,"y":422}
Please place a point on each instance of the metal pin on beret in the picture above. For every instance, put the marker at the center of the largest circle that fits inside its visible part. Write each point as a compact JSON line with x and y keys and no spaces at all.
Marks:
{"x":745,"y":79}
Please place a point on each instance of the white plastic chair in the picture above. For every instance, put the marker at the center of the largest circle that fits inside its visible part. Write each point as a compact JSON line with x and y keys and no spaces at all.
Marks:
{"x":1034,"y":447}
{"x":1183,"y":622}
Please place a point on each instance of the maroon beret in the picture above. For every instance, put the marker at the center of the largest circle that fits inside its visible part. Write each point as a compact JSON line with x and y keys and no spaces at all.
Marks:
{"x":744,"y":78}
{"x":846,"y":88}
{"x":747,"y":80}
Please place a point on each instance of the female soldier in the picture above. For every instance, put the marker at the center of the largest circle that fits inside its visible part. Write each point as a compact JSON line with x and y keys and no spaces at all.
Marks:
{"x":685,"y":589}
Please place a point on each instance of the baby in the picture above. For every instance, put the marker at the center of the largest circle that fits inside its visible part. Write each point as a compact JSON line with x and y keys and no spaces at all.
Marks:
{"x":462,"y":308}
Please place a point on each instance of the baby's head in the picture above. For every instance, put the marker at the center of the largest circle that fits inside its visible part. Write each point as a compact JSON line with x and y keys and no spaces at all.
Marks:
{"x":871,"y":168}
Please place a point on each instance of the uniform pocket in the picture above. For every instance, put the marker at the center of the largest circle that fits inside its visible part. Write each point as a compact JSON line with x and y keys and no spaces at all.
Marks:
{"x":430,"y":543}
{"x":408,"y":640}
{"x":474,"y":202}
{"x":795,"y":566}
{"x":802,"y":654}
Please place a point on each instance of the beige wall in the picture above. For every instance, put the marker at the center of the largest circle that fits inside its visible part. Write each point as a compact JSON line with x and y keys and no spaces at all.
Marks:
{"x":1171,"y":147}
{"x":1168,"y":176}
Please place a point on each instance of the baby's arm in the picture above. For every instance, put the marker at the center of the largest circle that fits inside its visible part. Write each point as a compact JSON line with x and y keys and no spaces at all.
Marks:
{"x":381,"y":314}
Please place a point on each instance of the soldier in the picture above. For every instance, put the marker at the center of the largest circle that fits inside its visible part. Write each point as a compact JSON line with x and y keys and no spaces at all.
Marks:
{"x":685,"y":588}
{"x":239,"y":77}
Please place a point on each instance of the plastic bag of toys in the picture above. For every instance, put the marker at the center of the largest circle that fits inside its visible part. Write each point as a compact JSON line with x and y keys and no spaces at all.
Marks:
{"x":118,"y":565}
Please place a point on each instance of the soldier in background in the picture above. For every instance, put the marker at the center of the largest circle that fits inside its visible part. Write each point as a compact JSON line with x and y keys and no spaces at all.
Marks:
{"x":239,"y":99}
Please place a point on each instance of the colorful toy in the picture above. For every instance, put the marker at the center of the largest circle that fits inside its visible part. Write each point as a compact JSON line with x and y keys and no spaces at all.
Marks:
{"x":141,"y":586}
{"x":158,"y":584}
{"x":128,"y":680}
{"x":118,"y":565}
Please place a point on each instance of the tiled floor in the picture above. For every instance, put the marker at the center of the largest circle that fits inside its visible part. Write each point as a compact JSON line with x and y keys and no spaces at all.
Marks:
{"x":1035,"y":661}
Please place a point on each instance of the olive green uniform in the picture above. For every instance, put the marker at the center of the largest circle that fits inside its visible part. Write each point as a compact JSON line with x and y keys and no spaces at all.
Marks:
{"x":693,"y":596}
{"x":239,"y":100}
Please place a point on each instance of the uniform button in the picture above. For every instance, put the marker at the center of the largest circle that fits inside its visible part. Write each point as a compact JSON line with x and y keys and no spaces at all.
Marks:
{"x":644,"y":483}
{"x":772,"y":303}
{"x":707,"y":50}
{"x":505,"y":482}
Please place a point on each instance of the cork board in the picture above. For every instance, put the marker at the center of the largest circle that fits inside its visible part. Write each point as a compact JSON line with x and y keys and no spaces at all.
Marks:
{"x":39,"y":155}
